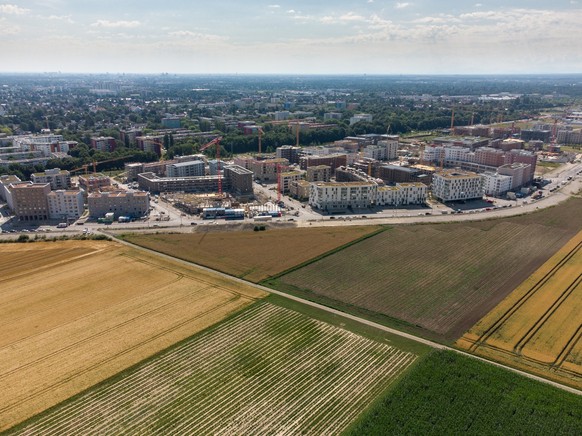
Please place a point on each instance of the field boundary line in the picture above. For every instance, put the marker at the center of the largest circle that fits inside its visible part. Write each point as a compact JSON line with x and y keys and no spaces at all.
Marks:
{"x":356,"y":318}
{"x":523,"y":341}
{"x":382,"y":229}
{"x":568,"y":348}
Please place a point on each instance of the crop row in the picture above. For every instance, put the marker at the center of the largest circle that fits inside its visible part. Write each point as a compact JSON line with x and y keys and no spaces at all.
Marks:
{"x":425,"y":276}
{"x":268,"y":370}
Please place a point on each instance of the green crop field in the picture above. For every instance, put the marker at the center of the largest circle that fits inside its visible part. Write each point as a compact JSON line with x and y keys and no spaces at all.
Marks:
{"x":451,"y":394}
{"x":267,"y":370}
{"x":439,"y":279}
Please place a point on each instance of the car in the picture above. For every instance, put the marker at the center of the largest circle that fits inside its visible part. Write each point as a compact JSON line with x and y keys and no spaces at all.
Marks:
{"x":193,"y":223}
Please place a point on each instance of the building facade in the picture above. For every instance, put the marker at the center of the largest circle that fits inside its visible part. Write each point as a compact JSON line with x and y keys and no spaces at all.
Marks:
{"x":452,"y":185}
{"x":65,"y":204}
{"x":185,"y":169}
{"x":57,"y":178}
{"x":121,"y":203}
{"x":340,"y":196}
{"x":30,"y":201}
{"x":496,"y":184}
{"x":319,"y":173}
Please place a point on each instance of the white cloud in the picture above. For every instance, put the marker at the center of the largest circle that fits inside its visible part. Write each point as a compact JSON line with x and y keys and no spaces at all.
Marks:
{"x":291,"y":11}
{"x":345,"y":18}
{"x":274,"y":6}
{"x":187,"y":34}
{"x":13,"y":10}
{"x":478,"y":5}
{"x":116,"y":24}
{"x":65,"y":18}
{"x":400,"y":5}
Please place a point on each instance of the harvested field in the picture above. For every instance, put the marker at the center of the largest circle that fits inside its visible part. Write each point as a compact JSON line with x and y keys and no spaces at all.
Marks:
{"x":439,"y":279}
{"x":268,"y":370}
{"x":539,"y":326}
{"x":451,"y":394}
{"x":75,"y":313}
{"x":253,"y":256}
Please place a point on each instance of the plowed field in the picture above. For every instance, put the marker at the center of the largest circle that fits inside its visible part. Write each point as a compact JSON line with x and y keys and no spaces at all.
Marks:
{"x":440,"y":279}
{"x":539,"y":325}
{"x":75,"y":313}
{"x":253,"y":256}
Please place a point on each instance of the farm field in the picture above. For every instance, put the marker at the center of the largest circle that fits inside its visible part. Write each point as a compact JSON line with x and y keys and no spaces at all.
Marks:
{"x":436,"y":280}
{"x":253,"y":256}
{"x":538,"y":327}
{"x":74,"y":313}
{"x":447,"y":393}
{"x":267,"y":370}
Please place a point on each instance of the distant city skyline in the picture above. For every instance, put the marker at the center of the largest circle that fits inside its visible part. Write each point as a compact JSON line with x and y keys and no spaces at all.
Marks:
{"x":292,"y":37}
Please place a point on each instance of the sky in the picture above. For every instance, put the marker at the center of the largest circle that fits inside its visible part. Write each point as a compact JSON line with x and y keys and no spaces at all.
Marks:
{"x":292,"y":36}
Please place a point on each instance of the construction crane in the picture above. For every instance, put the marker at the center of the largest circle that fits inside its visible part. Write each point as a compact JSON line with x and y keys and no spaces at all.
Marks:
{"x":95,"y":163}
{"x":261,"y":133}
{"x":216,"y":141}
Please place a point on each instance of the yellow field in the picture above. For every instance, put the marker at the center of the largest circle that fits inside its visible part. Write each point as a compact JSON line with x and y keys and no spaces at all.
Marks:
{"x":539,"y":325}
{"x":74,"y":313}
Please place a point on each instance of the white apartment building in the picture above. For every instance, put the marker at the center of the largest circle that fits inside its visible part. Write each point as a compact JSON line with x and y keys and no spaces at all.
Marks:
{"x":57,"y":178}
{"x":451,"y":185}
{"x":455,"y":153}
{"x":432,"y":154}
{"x":185,"y":169}
{"x":391,"y":146}
{"x":342,"y":195}
{"x":64,"y":204}
{"x":45,"y":143}
{"x":402,"y":194}
{"x":360,"y":117}
{"x":496,"y":184}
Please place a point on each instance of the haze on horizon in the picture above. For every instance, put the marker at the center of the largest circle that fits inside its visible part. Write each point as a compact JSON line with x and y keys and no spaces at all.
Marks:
{"x":292,"y":36}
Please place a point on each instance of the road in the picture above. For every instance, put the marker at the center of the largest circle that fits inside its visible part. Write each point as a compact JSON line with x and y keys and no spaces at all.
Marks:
{"x":409,"y":336}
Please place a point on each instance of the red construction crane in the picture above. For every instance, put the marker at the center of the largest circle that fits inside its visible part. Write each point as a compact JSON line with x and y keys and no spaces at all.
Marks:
{"x":216,"y":141}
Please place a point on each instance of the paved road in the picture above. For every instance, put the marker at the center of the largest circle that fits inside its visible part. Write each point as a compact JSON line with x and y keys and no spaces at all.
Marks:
{"x":361,"y":320}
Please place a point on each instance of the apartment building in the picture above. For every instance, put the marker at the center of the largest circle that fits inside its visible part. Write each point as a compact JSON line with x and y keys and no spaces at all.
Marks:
{"x":289,"y":152}
{"x":57,"y":178}
{"x":238,"y":179}
{"x":121,"y":203}
{"x":361,"y":117}
{"x":65,"y":204}
{"x":266,"y":170}
{"x":299,"y":189}
{"x":332,"y":160}
{"x":103,"y":143}
{"x":185,"y":169}
{"x":520,"y":174}
{"x":402,"y":194}
{"x":451,"y":185}
{"x":338,"y":196}
{"x":496,"y":184}
{"x":288,"y":177}
{"x":30,"y":200}
{"x":153,"y":144}
{"x":94,"y":182}
{"x":5,"y":194}
{"x":319,"y":173}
